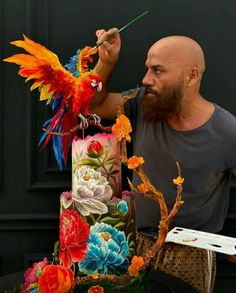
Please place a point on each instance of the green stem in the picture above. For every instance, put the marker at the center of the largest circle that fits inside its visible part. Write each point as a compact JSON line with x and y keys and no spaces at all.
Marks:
{"x":116,"y":187}
{"x":98,"y":218}
{"x":104,"y":168}
{"x":92,"y":218}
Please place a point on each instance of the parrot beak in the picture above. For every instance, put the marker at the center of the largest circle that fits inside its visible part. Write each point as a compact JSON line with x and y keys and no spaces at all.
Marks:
{"x":97,"y":85}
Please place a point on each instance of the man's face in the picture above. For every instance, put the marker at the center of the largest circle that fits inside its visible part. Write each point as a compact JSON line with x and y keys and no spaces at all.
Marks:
{"x":164,"y":82}
{"x":164,"y":103}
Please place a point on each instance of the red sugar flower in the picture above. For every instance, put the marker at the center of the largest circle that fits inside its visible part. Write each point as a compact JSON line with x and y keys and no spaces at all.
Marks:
{"x":95,"y":149}
{"x":74,"y":233}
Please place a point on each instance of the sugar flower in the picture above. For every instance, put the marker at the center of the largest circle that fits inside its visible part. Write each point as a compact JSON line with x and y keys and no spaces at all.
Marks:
{"x":107,"y":252}
{"x":90,"y":191}
{"x":32,"y":275}
{"x":66,"y":199}
{"x":136,"y":264}
{"x":142,"y":188}
{"x":122,"y":207}
{"x":135,"y":162}
{"x":96,"y":289}
{"x":55,"y":279}
{"x":178,"y":181}
{"x":74,"y":233}
{"x":95,"y":149}
{"x":122,"y":128}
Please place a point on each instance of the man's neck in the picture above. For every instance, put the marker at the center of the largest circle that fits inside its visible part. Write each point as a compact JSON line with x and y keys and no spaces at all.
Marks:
{"x":194,"y":113}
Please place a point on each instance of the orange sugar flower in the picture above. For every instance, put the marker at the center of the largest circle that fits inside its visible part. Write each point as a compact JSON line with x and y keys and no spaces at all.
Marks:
{"x":178,"y":181}
{"x":55,"y":279}
{"x":122,"y":128}
{"x":142,"y":188}
{"x":136,"y":263}
{"x":135,"y":162}
{"x":96,"y":289}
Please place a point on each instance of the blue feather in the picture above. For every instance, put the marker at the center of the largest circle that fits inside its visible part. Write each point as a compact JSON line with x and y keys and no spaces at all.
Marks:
{"x":71,"y":66}
{"x":57,"y":148}
{"x":47,"y":122}
{"x":45,"y":134}
{"x":56,"y":104}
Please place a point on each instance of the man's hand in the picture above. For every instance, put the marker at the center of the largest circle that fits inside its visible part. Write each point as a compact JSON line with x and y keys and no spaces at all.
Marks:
{"x":109,"y":51}
{"x":105,"y":103}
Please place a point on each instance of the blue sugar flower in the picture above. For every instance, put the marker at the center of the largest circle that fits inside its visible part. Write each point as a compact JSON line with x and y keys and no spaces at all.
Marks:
{"x":122,"y":207}
{"x":107,"y":251}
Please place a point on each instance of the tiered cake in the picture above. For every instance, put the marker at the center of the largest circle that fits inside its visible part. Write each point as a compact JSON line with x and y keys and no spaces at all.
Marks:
{"x":97,"y":230}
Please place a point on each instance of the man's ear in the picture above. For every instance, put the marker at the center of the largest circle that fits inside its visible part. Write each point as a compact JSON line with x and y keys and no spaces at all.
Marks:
{"x":193,"y":76}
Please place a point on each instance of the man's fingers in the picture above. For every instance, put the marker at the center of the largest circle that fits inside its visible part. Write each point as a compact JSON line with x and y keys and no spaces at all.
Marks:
{"x":102,"y":34}
{"x":106,"y":45}
{"x":112,"y":30}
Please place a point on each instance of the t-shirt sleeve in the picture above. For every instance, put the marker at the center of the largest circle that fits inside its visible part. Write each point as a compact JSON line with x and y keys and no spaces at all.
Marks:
{"x":226,"y":124}
{"x":232,"y":163}
{"x":231,"y":143}
{"x":130,"y":107}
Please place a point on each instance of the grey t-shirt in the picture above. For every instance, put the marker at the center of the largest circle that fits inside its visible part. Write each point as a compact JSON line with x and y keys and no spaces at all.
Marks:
{"x":207,"y":156}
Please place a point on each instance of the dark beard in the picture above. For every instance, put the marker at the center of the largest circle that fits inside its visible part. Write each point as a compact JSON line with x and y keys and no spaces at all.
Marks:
{"x":156,"y":106}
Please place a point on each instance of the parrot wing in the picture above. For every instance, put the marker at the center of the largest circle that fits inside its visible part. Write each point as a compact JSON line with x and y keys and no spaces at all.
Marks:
{"x":43,"y":66}
{"x":68,"y":94}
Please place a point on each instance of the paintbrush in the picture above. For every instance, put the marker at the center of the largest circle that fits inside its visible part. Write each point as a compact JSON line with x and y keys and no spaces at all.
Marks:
{"x":117,"y":32}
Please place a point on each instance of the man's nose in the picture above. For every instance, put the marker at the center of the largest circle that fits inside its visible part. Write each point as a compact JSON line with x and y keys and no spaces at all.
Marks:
{"x":148,"y":80}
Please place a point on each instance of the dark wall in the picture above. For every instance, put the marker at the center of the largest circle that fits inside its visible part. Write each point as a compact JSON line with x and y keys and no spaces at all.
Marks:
{"x":30,"y":182}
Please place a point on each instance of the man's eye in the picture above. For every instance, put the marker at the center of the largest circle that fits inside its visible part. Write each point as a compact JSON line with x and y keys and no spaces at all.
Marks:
{"x":157,"y":71}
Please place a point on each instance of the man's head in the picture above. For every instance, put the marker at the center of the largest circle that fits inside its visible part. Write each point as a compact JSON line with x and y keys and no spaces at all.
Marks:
{"x":175,"y":66}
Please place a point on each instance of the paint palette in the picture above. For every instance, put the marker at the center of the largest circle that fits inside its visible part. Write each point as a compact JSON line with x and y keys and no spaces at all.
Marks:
{"x":203,"y":240}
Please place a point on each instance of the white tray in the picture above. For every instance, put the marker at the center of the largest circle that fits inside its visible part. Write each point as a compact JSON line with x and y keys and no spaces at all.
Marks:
{"x":204,"y":240}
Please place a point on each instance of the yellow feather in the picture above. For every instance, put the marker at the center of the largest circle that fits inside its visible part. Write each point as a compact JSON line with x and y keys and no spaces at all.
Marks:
{"x":49,"y":101}
{"x":38,"y":51}
{"x":35,"y":85}
{"x":44,"y":94}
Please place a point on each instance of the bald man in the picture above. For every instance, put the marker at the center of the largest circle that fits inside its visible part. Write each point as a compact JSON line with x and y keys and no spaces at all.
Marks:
{"x":172,"y":122}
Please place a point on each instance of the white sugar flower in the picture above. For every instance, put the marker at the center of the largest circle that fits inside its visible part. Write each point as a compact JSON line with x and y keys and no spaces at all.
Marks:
{"x":90,"y":190}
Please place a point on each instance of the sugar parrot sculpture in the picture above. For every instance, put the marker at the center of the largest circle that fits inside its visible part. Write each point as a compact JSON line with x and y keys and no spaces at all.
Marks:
{"x":67,"y":89}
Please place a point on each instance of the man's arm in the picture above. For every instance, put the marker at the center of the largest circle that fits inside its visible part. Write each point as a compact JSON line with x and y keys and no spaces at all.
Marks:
{"x":105,"y":103}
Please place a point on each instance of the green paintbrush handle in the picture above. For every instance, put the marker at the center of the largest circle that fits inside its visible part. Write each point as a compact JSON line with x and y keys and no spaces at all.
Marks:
{"x":117,"y":32}
{"x":121,"y":29}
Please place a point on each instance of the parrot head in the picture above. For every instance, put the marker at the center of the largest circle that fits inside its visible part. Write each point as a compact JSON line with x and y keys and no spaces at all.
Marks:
{"x":96,"y":82}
